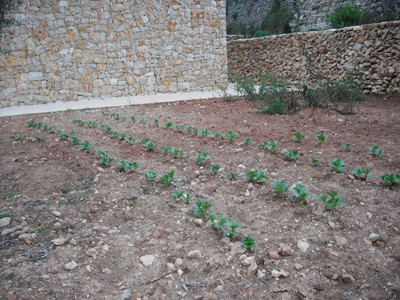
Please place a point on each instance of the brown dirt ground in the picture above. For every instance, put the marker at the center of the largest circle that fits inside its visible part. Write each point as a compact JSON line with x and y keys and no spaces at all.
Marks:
{"x":105,"y":230}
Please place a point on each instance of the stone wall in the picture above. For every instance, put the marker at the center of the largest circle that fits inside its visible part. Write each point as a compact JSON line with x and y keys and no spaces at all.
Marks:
{"x":80,"y":49}
{"x":373,"y":50}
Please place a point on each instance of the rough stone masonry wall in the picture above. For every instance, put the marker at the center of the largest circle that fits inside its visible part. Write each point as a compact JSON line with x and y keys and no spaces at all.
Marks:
{"x":81,"y":49}
{"x":373,"y":50}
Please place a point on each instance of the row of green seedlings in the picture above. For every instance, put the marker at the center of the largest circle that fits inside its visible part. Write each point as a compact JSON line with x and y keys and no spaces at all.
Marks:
{"x":116,"y":116}
{"x":337,"y":164}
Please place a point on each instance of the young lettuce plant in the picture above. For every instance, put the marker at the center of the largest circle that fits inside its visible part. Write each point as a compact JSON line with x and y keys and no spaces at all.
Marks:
{"x":143,"y":121}
{"x":114,"y":134}
{"x":32,"y":123}
{"x":127,"y":166}
{"x":131,"y":140}
{"x":91,"y":124}
{"x":298,"y":137}
{"x":248,"y":141}
{"x":101,"y":152}
{"x":256,"y":176}
{"x":321,"y":137}
{"x":333,"y":202}
{"x":133,"y":119}
{"x":279,"y":186}
{"x":180,"y":128}
{"x":300,"y":193}
{"x":219,"y":135}
{"x":362,"y":174}
{"x":231,"y":176}
{"x":174,"y":152}
{"x":189,"y":129}
{"x":122,"y":135}
{"x":187,"y":197}
{"x":168,"y":125}
{"x":313,"y":160}
{"x":391,"y":179}
{"x":106,"y":161}
{"x":233,"y":225}
{"x":291,"y":155}
{"x":347,"y":147}
{"x":156,"y":123}
{"x":86,"y":146}
{"x":337,"y":165}
{"x":144,"y":141}
{"x":167,"y":179}
{"x":150,"y":145}
{"x":181,"y":152}
{"x":178,"y":195}
{"x":79,"y":122}
{"x":106,"y":128}
{"x":150,"y":175}
{"x":74,"y":138}
{"x":269,"y":145}
{"x":165,"y":150}
{"x":204,"y":133}
{"x":201,"y":207}
{"x":248,"y":242}
{"x":196,"y":131}
{"x":62,"y":135}
{"x":201,"y":158}
{"x":231,"y":136}
{"x":214,"y":170}
{"x":376,"y":151}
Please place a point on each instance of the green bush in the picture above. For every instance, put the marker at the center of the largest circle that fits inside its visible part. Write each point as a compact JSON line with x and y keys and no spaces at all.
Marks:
{"x":260,"y":33}
{"x":344,"y":16}
{"x":277,"y":19}
{"x":235,"y":15}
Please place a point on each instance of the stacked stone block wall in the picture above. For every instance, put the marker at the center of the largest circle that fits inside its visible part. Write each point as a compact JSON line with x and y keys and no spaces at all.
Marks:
{"x":82,"y":49}
{"x":372,"y":51}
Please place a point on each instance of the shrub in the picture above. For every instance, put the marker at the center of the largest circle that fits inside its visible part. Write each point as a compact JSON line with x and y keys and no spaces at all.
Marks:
{"x":344,"y":16}
{"x":277,"y":19}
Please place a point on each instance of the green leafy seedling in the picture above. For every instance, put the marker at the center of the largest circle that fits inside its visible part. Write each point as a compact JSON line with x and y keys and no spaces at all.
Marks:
{"x":165,"y":150}
{"x":106,"y":161}
{"x":248,"y":141}
{"x":204,"y":133}
{"x":362,"y":174}
{"x":300,"y":193}
{"x":131,"y":140}
{"x":201,"y":207}
{"x":127,"y":166}
{"x":123,"y":119}
{"x":195,"y":131}
{"x":150,"y":145}
{"x":187,"y":197}
{"x":156,"y":123}
{"x":376,"y":151}
{"x":32,"y":123}
{"x":291,"y":155}
{"x":248,"y":242}
{"x":201,"y":158}
{"x":279,"y":186}
{"x":233,"y":225}
{"x":189,"y":129}
{"x":219,"y":135}
{"x":79,"y":122}
{"x":213,"y":218}
{"x":75,"y":139}
{"x":150,"y":175}
{"x":114,"y":134}
{"x":133,"y":119}
{"x":178,"y":195}
{"x":106,"y":128}
{"x":86,"y":146}
{"x":181,"y":152}
{"x":91,"y":124}
{"x":174,"y":152}
{"x":101,"y":152}
{"x":256,"y":176}
{"x":321,"y":137}
{"x":214,"y":170}
{"x":269,"y":145}
{"x":144,"y":141}
{"x":391,"y":179}
{"x":167,"y":179}
{"x":142,"y":121}
{"x":313,"y":160}
{"x":231,"y":176}
{"x":168,"y":125}
{"x":180,"y":128}
{"x":221,"y":223}
{"x":231,"y":136}
{"x":122,"y":135}
{"x":333,"y":202}
{"x":62,"y":135}
{"x":347,"y":147}
{"x":298,"y":137}
{"x":337,"y":165}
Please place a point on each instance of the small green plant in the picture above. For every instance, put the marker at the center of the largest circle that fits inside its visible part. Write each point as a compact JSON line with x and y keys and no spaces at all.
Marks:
{"x":167,"y":179}
{"x":32,"y":123}
{"x":333,"y":202}
{"x":321,"y":137}
{"x":201,"y":158}
{"x":233,"y":225}
{"x":291,"y":155}
{"x":86,"y":196}
{"x":391,"y":179}
{"x":65,"y":188}
{"x":142,"y":121}
{"x":91,"y":124}
{"x":114,"y":134}
{"x":62,"y":135}
{"x":128,"y":165}
{"x":195,"y":131}
{"x":150,"y":175}
{"x":181,"y":152}
{"x":189,"y":129}
{"x":204,"y":133}
{"x":279,"y":186}
{"x":86,"y":146}
{"x":219,"y":135}
{"x":150,"y":145}
{"x":168,"y":125}
{"x":79,"y":122}
{"x":231,"y":136}
{"x":122,"y":135}
{"x":376,"y":151}
{"x":74,"y":138}
{"x":133,"y":119}
{"x":300,"y":193}
{"x":248,"y":242}
{"x":214,"y":170}
{"x":322,"y":240}
{"x":231,"y":176}
{"x":298,"y":137}
{"x":178,"y":195}
{"x":313,"y":160}
{"x":256,"y":176}
{"x":106,"y":128}
{"x":201,"y":207}
{"x":248,"y":141}
{"x":20,"y":137}
{"x":269,"y":145}
{"x":101,"y":152}
{"x":337,"y":165}
{"x":347,"y":146}
{"x":165,"y":150}
{"x":123,"y":119}
{"x":131,"y":140}
{"x":362,"y":174}
{"x":12,"y":194}
{"x":187,"y":197}
{"x":144,"y":141}
{"x":106,"y":161}
{"x":156,"y":123}
{"x":174,"y":152}
{"x":180,"y":128}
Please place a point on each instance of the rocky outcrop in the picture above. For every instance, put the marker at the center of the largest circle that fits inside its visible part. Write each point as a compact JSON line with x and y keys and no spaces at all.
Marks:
{"x":372,"y":51}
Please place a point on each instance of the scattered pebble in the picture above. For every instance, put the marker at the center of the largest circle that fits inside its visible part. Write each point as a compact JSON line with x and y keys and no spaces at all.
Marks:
{"x":302,"y":245}
{"x":194,"y":254}
{"x":374,"y":237}
{"x":71,"y":265}
{"x":147,"y":260}
{"x":347,"y":278}
{"x":318,"y":286}
{"x":5,"y":221}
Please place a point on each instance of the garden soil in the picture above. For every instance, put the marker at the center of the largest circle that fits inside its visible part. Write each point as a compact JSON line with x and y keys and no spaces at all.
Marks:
{"x":74,"y":229}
